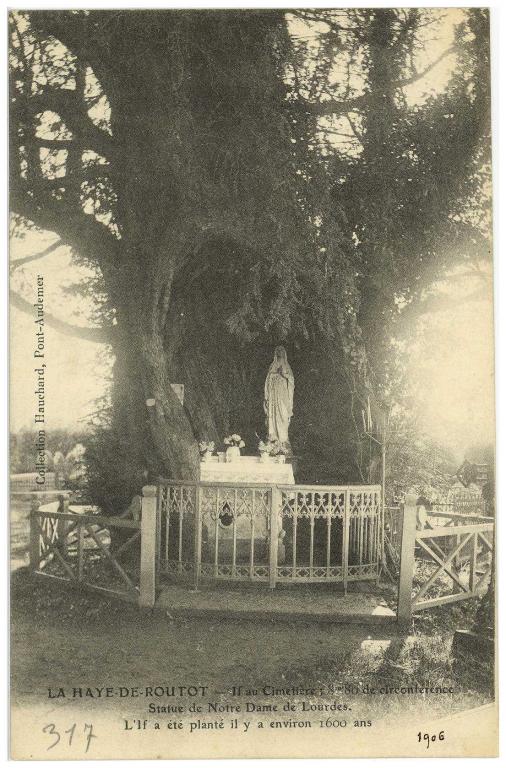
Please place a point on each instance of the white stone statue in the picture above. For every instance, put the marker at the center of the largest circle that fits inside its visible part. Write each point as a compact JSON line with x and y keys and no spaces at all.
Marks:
{"x":278,"y":397}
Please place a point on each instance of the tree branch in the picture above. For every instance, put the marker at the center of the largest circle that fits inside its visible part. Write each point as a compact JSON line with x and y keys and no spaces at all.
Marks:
{"x":79,"y":230}
{"x":419,"y":75}
{"x":358,"y":137}
{"x":95,"y":335}
{"x":339,"y":107}
{"x":53,"y":143}
{"x":79,"y":33}
{"x":312,"y":17}
{"x":70,"y":105}
{"x":34,"y":257}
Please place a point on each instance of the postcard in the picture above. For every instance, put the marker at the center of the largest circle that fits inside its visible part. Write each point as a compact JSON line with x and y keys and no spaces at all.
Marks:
{"x":251,"y":383}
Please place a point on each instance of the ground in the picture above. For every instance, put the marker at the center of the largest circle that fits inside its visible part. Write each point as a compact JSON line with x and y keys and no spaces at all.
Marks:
{"x":67,"y":638}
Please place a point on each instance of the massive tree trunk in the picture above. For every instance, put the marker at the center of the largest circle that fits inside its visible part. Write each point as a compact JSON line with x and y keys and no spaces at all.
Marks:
{"x":214,"y":233}
{"x":190,"y":233}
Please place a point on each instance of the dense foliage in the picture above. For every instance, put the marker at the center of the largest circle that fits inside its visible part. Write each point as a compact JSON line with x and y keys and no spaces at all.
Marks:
{"x":241,"y":178}
{"x":22,"y":447}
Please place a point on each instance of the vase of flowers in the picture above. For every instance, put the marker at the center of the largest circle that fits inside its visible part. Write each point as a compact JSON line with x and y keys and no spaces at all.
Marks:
{"x":278,"y":451}
{"x":234,"y":444}
{"x":206,"y":448}
{"x":264,"y":449}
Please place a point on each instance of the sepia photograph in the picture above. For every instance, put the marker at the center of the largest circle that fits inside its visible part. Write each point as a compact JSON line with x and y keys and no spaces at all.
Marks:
{"x":252,"y":411}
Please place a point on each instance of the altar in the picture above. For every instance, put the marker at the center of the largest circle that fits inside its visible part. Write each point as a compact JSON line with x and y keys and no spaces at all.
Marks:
{"x":246,"y":469}
{"x":245,"y":518}
{"x":237,"y":513}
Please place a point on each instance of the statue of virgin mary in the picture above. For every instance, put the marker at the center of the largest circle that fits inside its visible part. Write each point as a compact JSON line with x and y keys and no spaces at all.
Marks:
{"x":278,"y":397}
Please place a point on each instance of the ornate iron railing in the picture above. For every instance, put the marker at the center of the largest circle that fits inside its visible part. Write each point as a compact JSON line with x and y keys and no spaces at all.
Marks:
{"x":269,"y":533}
{"x":462,"y":502}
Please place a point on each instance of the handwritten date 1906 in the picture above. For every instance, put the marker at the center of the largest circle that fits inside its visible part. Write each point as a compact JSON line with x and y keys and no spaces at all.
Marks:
{"x":429,"y":738}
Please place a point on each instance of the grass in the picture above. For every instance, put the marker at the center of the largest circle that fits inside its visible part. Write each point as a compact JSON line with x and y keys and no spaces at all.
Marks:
{"x":58,"y":632}
{"x":65,"y":637}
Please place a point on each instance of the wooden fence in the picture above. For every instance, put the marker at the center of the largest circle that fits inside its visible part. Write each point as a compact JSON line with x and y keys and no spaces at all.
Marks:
{"x":87,"y":549}
{"x":445,"y":563}
{"x":27,"y":481}
{"x":392,"y":532}
{"x":459,"y":505}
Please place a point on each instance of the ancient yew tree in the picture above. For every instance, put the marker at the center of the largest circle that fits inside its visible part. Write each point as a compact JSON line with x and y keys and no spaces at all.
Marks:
{"x":197,"y":161}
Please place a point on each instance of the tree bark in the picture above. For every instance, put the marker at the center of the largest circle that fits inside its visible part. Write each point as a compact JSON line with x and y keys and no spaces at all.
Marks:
{"x":171,"y":433}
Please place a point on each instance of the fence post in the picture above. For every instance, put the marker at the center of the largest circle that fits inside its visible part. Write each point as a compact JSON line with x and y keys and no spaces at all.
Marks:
{"x":80,"y":551}
{"x":473,"y":560}
{"x":158,"y":534}
{"x":63,"y":525}
{"x":197,"y":554}
{"x":407,"y":564}
{"x":273,"y":539}
{"x":346,"y":539}
{"x":34,"y":535}
{"x":148,"y":547}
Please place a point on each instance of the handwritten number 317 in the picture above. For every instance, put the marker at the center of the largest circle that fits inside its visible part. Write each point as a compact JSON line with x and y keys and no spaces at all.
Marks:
{"x":50,"y":729}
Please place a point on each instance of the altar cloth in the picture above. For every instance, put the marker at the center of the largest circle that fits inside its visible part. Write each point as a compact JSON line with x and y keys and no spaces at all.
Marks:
{"x":246,"y":469}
